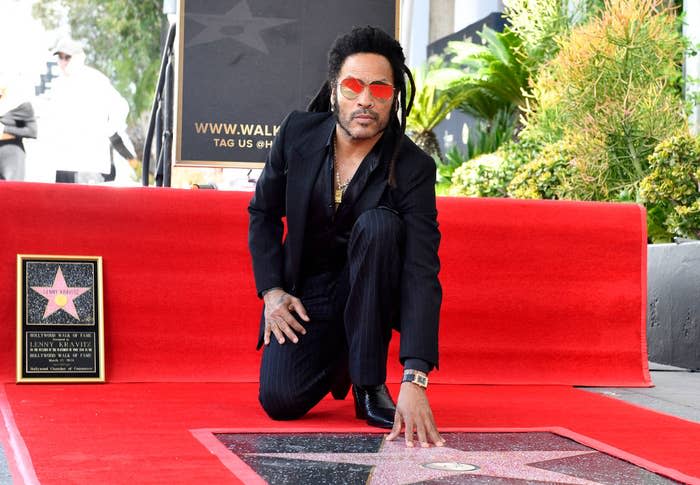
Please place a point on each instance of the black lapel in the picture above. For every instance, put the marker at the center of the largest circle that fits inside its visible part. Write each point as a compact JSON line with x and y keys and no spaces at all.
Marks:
{"x":306,"y":159}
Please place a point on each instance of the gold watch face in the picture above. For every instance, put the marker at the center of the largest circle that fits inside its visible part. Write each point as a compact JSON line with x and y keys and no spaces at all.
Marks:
{"x":417,"y":379}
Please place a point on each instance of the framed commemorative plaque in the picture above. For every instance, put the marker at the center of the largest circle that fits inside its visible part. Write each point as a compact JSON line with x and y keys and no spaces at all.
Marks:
{"x":60,"y":330}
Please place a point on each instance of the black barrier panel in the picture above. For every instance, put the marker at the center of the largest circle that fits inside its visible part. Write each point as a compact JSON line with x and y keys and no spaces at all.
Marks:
{"x":245,"y":64}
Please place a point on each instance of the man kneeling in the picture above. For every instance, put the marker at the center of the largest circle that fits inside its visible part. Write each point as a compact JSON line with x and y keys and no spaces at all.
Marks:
{"x":360,"y":254}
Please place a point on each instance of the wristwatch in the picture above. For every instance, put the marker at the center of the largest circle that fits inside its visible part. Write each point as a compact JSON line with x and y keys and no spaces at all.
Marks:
{"x":416,"y":377}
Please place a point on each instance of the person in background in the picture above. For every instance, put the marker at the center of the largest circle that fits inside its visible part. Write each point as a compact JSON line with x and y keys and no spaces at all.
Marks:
{"x":16,"y":122}
{"x":85,"y":119}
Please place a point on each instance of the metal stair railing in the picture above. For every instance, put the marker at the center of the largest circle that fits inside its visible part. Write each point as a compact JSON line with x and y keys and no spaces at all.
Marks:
{"x":160,"y":126}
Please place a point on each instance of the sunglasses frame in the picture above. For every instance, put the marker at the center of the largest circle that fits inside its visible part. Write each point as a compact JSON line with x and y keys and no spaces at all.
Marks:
{"x":352,"y":95}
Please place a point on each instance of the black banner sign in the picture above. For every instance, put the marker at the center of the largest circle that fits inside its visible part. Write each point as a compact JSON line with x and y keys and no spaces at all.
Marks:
{"x":245,"y":64}
{"x":59,"y":319}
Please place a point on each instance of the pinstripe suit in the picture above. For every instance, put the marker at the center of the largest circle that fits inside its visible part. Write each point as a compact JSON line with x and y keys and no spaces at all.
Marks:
{"x":390,"y":278}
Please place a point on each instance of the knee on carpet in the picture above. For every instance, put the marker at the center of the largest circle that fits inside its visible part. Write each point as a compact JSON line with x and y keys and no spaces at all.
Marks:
{"x":282,"y":407}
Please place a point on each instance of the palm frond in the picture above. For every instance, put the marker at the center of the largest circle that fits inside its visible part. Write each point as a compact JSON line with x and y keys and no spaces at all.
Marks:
{"x":493,"y":77}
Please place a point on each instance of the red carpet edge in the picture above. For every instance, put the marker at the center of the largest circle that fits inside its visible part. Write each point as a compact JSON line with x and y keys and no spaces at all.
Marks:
{"x":18,"y":459}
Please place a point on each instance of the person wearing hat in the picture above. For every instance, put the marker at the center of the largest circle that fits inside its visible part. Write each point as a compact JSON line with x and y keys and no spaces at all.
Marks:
{"x":65,"y":50}
{"x":85,"y":116}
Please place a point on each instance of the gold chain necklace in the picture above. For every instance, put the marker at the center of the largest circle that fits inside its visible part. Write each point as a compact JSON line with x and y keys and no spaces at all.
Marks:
{"x":340,"y":187}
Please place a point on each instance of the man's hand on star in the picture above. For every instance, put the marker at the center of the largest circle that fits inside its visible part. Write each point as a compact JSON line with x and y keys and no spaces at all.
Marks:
{"x":279,"y":319}
{"x":413,"y":411}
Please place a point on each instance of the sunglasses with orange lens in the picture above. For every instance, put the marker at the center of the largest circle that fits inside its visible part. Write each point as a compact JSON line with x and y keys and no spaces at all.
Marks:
{"x":351,"y":88}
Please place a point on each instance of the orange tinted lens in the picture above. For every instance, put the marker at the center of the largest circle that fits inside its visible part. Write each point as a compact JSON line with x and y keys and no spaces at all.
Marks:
{"x":381,"y":91}
{"x":351,"y":87}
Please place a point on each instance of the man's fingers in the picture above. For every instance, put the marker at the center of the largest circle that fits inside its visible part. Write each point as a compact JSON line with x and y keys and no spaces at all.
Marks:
{"x":287,"y":330}
{"x":396,"y":430}
{"x":290,"y":326}
{"x":408,"y":430}
{"x":420,"y":430}
{"x":278,"y":333}
{"x":435,"y":436}
{"x":280,"y":320}
{"x":432,"y":431}
{"x":298,"y":307}
{"x":298,"y":328}
{"x":284,"y":316}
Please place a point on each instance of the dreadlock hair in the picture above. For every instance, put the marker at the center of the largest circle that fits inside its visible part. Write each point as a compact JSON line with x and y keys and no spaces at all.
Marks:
{"x":371,"y":40}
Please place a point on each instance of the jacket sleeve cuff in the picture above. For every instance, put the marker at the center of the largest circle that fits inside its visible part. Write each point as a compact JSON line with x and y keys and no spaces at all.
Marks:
{"x":417,"y":364}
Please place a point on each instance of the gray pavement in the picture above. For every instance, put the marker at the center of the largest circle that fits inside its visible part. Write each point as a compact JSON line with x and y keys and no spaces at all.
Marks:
{"x":676,"y":392}
{"x":5,"y":477}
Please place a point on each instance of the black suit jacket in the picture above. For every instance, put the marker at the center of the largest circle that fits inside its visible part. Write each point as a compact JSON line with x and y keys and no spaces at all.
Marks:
{"x":283,"y":190}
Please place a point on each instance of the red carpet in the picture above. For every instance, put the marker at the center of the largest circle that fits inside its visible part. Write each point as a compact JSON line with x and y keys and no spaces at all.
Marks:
{"x":142,"y":433}
{"x":544,"y":293}
{"x":535,"y":292}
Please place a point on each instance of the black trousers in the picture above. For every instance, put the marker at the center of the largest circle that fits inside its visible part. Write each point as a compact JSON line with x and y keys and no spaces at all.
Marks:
{"x":351,"y":320}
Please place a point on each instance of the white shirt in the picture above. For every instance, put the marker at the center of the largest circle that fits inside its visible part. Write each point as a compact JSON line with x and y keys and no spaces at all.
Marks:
{"x":83,"y":111}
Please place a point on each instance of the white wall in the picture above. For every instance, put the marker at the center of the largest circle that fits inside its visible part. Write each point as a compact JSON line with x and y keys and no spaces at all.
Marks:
{"x":469,"y":11}
{"x":415,"y":20}
{"x":415,"y":23}
{"x":25,"y":44}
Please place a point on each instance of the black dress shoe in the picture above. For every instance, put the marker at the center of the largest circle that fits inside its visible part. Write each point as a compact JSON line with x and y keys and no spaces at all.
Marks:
{"x":374,"y":404}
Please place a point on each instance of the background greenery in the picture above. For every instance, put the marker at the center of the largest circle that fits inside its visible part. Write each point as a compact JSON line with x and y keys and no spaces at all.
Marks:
{"x":594,"y":109}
